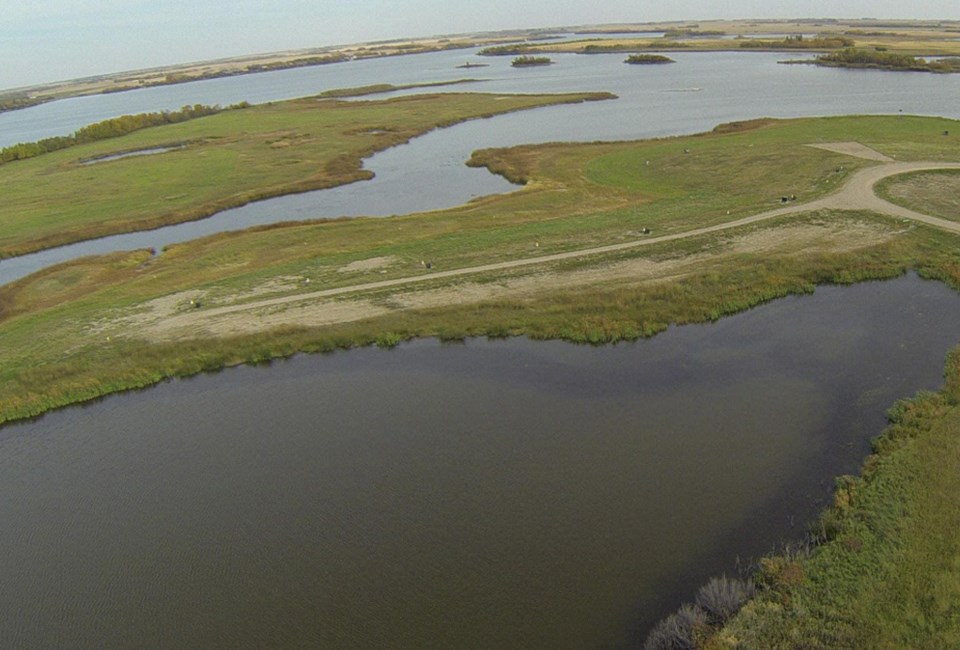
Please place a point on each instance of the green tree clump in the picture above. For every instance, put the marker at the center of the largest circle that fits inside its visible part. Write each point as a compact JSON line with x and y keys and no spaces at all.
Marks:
{"x":646,"y":59}
{"x":531,"y":60}
{"x":112,"y":128}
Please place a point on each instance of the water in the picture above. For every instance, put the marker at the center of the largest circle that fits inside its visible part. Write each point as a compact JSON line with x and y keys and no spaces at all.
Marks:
{"x":132,"y":154}
{"x":697,"y":93}
{"x":492,"y":494}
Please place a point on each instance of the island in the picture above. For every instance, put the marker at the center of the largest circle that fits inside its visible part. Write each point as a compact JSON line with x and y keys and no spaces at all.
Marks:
{"x":526,"y":61}
{"x":647,"y":59}
{"x":912,"y":38}
{"x":880,"y":59}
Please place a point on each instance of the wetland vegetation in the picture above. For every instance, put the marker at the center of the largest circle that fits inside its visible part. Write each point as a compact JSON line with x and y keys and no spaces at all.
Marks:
{"x":100,"y":325}
{"x":70,"y":332}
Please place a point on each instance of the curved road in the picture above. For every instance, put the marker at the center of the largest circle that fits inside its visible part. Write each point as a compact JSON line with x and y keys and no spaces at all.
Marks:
{"x":856,"y":194}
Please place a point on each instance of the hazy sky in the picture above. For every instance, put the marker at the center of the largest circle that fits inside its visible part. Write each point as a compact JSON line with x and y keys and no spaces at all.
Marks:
{"x":53,"y":40}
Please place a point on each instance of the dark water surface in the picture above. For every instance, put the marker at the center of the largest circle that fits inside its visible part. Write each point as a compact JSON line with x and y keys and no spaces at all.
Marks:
{"x":492,"y":494}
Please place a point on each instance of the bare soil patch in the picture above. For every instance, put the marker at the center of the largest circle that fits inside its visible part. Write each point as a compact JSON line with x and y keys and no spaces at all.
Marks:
{"x":372,"y":264}
{"x":854,"y":149}
{"x":168,"y":319}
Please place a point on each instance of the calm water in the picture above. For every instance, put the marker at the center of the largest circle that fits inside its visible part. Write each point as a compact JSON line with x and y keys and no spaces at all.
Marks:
{"x":695,"y":94}
{"x":492,"y":494}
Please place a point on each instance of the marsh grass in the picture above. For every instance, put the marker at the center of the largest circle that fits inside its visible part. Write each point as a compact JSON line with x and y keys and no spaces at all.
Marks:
{"x":52,"y":357}
{"x":885,"y":573}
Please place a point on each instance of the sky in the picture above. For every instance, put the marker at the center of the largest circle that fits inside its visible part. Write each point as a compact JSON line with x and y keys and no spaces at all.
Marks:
{"x":54,"y":40}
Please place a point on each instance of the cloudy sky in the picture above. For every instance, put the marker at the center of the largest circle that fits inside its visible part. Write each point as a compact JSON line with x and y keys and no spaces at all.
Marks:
{"x":53,"y":40}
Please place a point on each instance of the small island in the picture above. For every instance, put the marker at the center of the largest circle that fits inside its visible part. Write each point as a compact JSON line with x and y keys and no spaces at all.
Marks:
{"x":524,"y":61}
{"x":648,"y":59}
{"x":881,"y":60}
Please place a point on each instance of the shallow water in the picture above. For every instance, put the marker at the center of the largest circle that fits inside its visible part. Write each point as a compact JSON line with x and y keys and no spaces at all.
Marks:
{"x":133,"y":154}
{"x":492,"y":494}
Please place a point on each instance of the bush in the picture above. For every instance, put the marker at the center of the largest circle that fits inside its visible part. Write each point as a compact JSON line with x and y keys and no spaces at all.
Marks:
{"x":531,"y":60}
{"x":112,"y":128}
{"x":723,"y":597}
{"x":678,"y":631}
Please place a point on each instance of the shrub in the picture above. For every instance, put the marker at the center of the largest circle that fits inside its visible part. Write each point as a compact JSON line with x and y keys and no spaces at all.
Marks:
{"x":642,"y":59}
{"x":531,"y":60}
{"x":678,"y":631}
{"x":723,"y":597}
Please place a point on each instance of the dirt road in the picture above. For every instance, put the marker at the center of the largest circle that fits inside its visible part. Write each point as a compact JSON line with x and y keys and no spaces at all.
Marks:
{"x":856,"y":194}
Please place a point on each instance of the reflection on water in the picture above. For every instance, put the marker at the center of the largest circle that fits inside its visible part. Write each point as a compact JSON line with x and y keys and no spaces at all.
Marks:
{"x":492,"y":494}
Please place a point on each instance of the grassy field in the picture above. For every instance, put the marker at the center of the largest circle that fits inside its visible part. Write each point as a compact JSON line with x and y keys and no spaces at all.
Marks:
{"x":228,"y":159}
{"x":100,"y":325}
{"x":70,"y":333}
{"x":890,"y":577}
{"x":936,"y":193}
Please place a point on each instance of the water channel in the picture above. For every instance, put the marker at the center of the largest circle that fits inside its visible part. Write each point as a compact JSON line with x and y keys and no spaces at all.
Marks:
{"x":492,"y":494}
{"x":694,"y":94}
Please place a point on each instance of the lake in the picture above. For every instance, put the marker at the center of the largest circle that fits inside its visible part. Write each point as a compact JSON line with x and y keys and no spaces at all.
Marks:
{"x":491,"y":494}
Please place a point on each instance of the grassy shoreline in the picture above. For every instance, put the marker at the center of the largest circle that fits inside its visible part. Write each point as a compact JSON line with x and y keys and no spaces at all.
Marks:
{"x":917,"y":38}
{"x":64,"y":339}
{"x":885,"y":574}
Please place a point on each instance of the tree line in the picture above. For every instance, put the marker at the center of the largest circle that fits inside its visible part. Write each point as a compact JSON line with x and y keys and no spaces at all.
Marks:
{"x":111,"y":128}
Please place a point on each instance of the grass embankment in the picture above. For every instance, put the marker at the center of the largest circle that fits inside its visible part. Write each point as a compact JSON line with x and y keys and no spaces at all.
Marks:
{"x":936,"y":193}
{"x":14,"y":102}
{"x":229,"y":159}
{"x":111,"y":128}
{"x":101,"y":325}
{"x":890,"y":576}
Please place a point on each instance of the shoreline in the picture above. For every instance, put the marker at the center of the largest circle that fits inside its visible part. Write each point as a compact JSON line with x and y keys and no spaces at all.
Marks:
{"x":916,"y":37}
